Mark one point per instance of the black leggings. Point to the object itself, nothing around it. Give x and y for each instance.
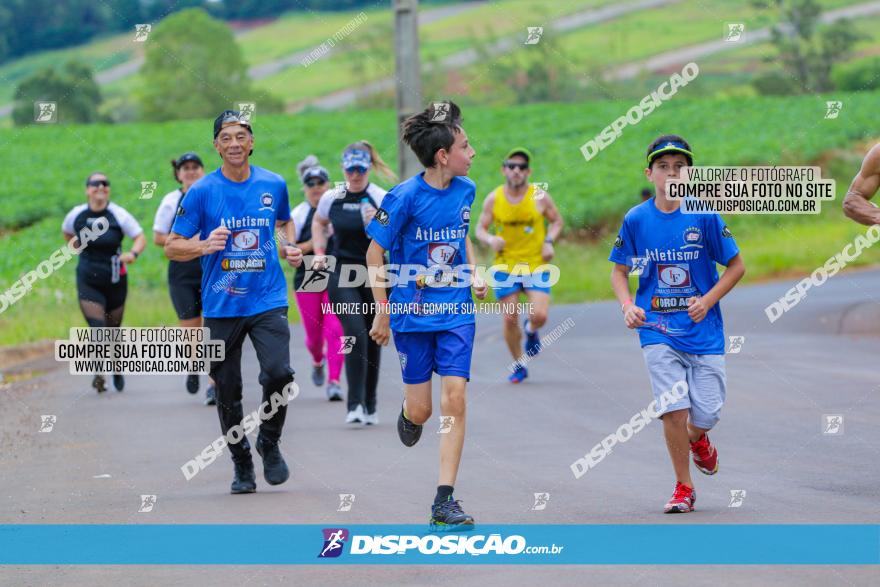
(102, 305)
(362, 364)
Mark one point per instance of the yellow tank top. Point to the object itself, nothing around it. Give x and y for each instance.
(522, 228)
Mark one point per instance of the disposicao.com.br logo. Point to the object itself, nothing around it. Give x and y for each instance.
(334, 540)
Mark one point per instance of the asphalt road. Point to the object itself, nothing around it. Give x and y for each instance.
(817, 359)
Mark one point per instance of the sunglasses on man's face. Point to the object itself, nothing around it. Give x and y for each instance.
(315, 182)
(98, 183)
(520, 166)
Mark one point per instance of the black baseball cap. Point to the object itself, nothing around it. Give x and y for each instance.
(315, 171)
(228, 118)
(186, 157)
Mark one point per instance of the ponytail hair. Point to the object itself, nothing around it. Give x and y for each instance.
(377, 161)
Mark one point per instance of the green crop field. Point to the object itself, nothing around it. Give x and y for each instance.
(48, 166)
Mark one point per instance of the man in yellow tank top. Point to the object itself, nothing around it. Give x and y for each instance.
(523, 247)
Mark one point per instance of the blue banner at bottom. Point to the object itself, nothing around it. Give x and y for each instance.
(637, 544)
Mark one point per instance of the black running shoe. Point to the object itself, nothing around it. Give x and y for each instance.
(447, 516)
(275, 470)
(192, 383)
(244, 481)
(118, 382)
(99, 383)
(409, 433)
(210, 396)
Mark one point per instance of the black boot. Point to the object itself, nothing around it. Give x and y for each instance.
(244, 481)
(275, 470)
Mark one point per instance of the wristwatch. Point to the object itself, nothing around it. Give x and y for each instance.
(548, 240)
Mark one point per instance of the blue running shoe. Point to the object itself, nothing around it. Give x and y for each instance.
(447, 516)
(518, 375)
(533, 341)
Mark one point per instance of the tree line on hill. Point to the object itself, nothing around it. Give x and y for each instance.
(193, 66)
(28, 26)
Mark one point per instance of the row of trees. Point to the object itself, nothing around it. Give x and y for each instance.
(193, 69)
(807, 50)
(27, 26)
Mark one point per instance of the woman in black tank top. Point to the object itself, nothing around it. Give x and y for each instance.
(184, 277)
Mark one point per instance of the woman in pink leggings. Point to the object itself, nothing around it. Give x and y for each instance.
(321, 326)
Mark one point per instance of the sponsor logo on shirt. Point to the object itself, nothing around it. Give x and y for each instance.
(692, 237)
(266, 201)
(516, 223)
(442, 253)
(382, 217)
(245, 240)
(465, 215)
(618, 243)
(726, 232)
(674, 275)
(243, 265)
(664, 304)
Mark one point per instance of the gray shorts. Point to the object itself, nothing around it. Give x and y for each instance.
(705, 377)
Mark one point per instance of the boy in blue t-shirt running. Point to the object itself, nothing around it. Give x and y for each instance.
(423, 223)
(676, 311)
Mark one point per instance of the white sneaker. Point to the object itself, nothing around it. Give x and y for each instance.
(356, 416)
(371, 419)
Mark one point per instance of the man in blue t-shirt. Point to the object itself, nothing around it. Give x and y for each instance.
(229, 218)
(676, 311)
(423, 223)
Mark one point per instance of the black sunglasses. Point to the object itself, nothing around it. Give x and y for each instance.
(314, 182)
(98, 182)
(521, 166)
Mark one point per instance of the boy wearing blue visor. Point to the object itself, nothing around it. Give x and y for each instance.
(676, 311)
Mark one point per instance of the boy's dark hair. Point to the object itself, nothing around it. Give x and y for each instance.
(657, 146)
(431, 130)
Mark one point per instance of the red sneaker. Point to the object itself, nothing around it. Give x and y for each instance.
(705, 455)
(682, 501)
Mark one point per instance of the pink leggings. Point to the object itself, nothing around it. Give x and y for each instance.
(320, 327)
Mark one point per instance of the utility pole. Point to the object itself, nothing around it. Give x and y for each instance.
(409, 81)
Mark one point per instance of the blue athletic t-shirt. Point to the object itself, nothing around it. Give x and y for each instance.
(246, 278)
(675, 254)
(426, 229)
